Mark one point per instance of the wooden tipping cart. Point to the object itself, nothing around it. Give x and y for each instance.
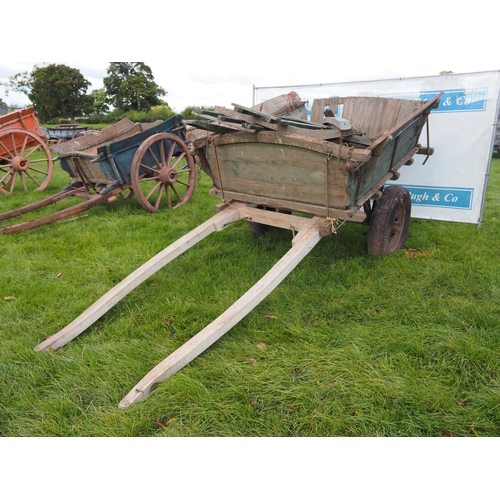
(25, 159)
(267, 166)
(151, 161)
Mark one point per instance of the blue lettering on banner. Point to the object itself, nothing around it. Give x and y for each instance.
(445, 197)
(452, 101)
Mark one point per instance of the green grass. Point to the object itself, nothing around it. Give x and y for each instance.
(347, 345)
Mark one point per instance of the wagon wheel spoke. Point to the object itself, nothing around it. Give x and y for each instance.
(172, 187)
(169, 199)
(149, 169)
(179, 159)
(12, 181)
(23, 146)
(27, 174)
(155, 160)
(155, 187)
(40, 171)
(170, 153)
(164, 161)
(6, 150)
(163, 171)
(28, 160)
(23, 181)
(158, 198)
(13, 145)
(7, 174)
(31, 152)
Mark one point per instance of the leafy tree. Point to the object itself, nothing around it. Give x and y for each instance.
(99, 104)
(131, 86)
(55, 90)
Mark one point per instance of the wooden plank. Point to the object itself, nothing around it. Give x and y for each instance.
(257, 123)
(274, 219)
(280, 120)
(318, 111)
(425, 108)
(252, 112)
(351, 214)
(305, 240)
(285, 126)
(216, 127)
(107, 301)
(242, 123)
(285, 104)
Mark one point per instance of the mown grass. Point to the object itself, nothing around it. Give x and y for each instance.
(347, 345)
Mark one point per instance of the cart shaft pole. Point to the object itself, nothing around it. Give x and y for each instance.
(107, 301)
(304, 241)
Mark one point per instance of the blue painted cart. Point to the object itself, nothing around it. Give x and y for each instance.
(151, 161)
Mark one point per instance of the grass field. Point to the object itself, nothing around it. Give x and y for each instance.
(347, 345)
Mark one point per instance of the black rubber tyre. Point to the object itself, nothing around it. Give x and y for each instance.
(390, 221)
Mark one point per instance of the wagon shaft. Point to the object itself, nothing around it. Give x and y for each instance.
(308, 234)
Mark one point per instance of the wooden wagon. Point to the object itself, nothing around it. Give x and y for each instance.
(150, 161)
(61, 133)
(285, 171)
(25, 159)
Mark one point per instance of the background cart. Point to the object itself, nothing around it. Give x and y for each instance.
(25, 159)
(62, 133)
(151, 161)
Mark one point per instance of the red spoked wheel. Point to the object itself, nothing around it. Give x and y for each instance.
(163, 172)
(25, 160)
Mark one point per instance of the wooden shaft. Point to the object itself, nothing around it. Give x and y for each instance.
(39, 204)
(303, 243)
(107, 301)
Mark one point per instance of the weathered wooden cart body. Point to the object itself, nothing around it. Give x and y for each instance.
(25, 158)
(80, 157)
(267, 166)
(151, 161)
(308, 174)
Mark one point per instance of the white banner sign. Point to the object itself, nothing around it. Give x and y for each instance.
(451, 186)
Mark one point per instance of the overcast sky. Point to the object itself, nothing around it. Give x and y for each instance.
(207, 53)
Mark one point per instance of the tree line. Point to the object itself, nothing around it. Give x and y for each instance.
(59, 91)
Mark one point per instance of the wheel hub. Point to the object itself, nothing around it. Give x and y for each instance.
(20, 163)
(168, 175)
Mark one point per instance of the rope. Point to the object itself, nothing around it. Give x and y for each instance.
(335, 223)
(218, 170)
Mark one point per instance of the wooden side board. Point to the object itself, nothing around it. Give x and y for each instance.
(287, 168)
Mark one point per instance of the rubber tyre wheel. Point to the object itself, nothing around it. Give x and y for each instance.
(390, 221)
